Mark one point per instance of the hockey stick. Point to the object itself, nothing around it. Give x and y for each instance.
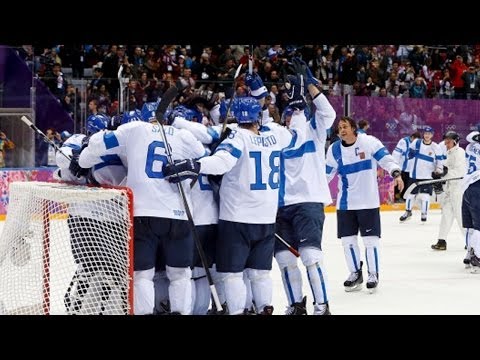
(426, 182)
(121, 107)
(45, 137)
(289, 247)
(235, 80)
(167, 98)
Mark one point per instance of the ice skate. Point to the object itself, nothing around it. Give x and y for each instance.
(372, 282)
(298, 308)
(475, 264)
(355, 280)
(440, 245)
(267, 310)
(406, 216)
(321, 309)
(423, 218)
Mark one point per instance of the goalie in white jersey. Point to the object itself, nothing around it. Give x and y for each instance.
(355, 159)
(160, 220)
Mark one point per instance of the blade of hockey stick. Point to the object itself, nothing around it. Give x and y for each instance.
(40, 132)
(426, 182)
(167, 99)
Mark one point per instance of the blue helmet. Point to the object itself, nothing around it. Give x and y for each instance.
(246, 110)
(97, 122)
(428, 129)
(148, 111)
(134, 115)
(65, 135)
(187, 113)
(115, 122)
(287, 112)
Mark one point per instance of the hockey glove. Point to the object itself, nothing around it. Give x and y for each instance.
(437, 175)
(255, 83)
(301, 68)
(181, 170)
(295, 89)
(75, 168)
(438, 188)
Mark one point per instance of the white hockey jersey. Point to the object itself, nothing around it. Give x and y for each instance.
(424, 159)
(303, 165)
(356, 166)
(142, 146)
(251, 167)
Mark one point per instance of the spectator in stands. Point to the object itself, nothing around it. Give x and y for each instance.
(471, 83)
(57, 82)
(419, 89)
(5, 144)
(45, 155)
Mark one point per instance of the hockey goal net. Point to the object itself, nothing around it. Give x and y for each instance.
(67, 249)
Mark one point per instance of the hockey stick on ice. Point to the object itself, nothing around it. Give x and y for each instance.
(45, 137)
(426, 182)
(167, 98)
(289, 247)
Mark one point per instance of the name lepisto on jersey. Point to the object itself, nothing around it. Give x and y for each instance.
(265, 141)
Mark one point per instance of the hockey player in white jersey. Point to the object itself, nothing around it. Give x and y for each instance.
(452, 198)
(400, 154)
(250, 163)
(425, 157)
(355, 159)
(303, 194)
(159, 216)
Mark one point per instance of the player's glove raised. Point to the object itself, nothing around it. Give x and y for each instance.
(255, 83)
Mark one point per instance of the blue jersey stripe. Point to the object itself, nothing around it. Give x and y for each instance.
(381, 153)
(110, 140)
(231, 149)
(307, 147)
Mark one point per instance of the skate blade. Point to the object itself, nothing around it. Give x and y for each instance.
(357, 287)
(372, 290)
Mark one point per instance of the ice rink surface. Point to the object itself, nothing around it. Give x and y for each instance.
(414, 279)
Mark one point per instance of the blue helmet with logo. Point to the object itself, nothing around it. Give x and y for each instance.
(97, 122)
(134, 115)
(246, 110)
(148, 111)
(428, 129)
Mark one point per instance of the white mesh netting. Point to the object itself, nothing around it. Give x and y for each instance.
(65, 249)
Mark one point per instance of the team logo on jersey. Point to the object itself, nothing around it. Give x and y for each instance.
(361, 154)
